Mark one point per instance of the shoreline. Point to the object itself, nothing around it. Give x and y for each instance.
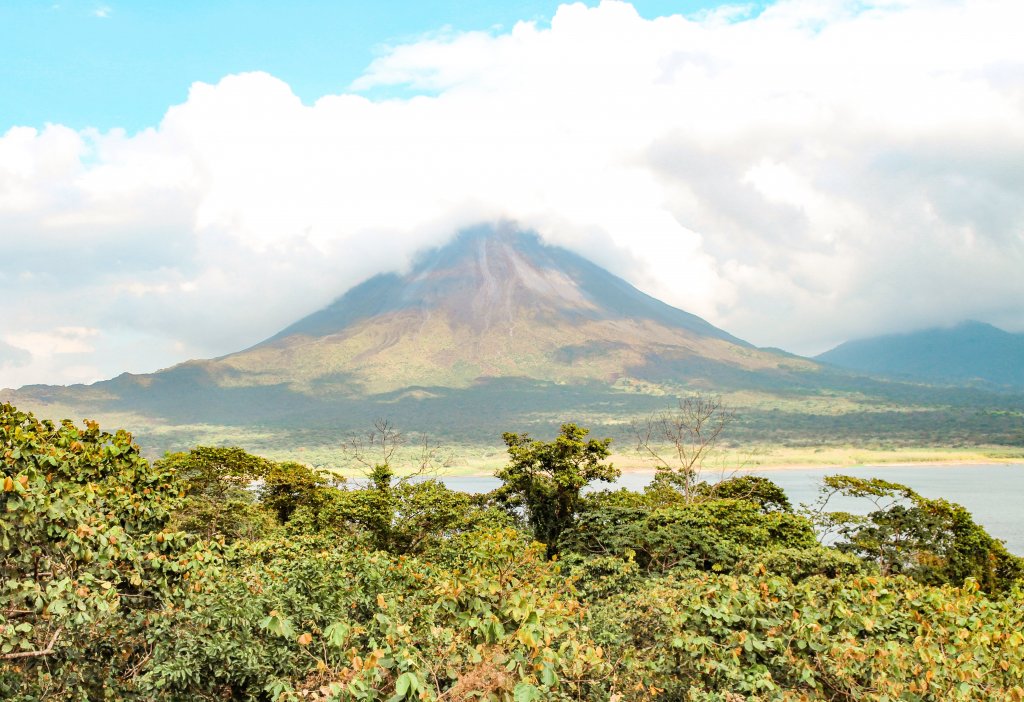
(776, 467)
(635, 469)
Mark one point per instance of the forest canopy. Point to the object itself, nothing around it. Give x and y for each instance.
(213, 574)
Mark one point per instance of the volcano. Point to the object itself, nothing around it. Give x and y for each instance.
(492, 304)
(496, 326)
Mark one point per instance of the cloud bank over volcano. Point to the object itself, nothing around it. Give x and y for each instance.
(812, 173)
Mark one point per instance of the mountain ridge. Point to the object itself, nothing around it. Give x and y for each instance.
(968, 352)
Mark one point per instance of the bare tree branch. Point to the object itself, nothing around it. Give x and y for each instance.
(376, 450)
(692, 431)
(34, 654)
(377, 446)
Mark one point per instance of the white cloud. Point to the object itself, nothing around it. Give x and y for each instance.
(62, 340)
(103, 11)
(820, 171)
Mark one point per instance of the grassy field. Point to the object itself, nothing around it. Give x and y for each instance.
(822, 456)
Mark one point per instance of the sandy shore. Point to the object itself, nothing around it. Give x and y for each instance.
(720, 471)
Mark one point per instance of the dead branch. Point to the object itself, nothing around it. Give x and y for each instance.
(377, 446)
(34, 654)
(691, 431)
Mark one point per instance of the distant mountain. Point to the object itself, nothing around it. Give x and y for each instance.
(493, 304)
(971, 352)
(493, 332)
(494, 324)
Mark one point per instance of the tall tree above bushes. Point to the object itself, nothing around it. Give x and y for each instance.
(545, 478)
(219, 499)
(936, 542)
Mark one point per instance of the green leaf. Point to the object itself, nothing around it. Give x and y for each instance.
(548, 677)
(407, 683)
(337, 634)
(525, 692)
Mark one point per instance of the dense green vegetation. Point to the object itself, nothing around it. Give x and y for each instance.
(212, 574)
(278, 422)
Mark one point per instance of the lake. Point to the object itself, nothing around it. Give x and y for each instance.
(992, 493)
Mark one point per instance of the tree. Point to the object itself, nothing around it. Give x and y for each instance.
(545, 478)
(289, 485)
(691, 431)
(933, 541)
(710, 534)
(393, 503)
(374, 451)
(219, 495)
(751, 488)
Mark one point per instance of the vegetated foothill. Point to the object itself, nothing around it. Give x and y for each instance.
(968, 353)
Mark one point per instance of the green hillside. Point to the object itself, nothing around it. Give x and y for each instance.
(970, 352)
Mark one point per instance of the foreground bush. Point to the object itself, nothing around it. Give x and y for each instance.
(309, 619)
(84, 556)
(850, 638)
(299, 590)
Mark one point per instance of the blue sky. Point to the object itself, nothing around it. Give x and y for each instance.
(122, 63)
(798, 173)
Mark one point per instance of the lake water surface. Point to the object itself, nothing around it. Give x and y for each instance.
(994, 494)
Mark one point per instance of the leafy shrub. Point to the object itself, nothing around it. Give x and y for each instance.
(849, 638)
(799, 563)
(84, 558)
(313, 617)
(709, 535)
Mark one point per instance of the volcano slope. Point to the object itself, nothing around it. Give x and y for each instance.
(497, 331)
